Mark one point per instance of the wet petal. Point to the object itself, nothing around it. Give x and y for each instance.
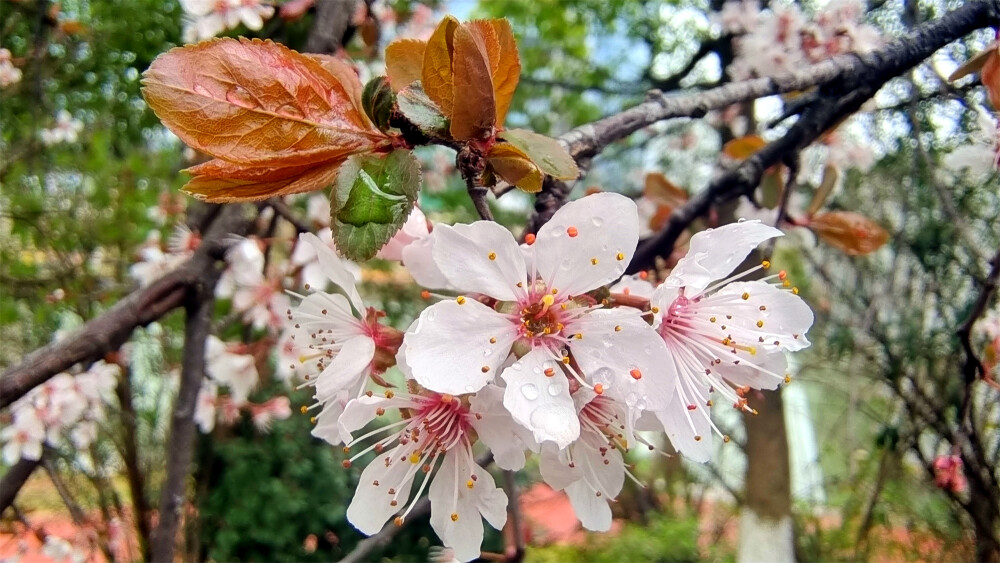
(588, 243)
(481, 258)
(372, 504)
(335, 269)
(449, 350)
(715, 253)
(537, 396)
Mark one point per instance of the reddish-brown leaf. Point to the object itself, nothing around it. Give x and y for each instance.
(515, 167)
(474, 107)
(505, 63)
(436, 74)
(664, 192)
(990, 76)
(345, 73)
(218, 181)
(258, 103)
(743, 147)
(850, 232)
(975, 63)
(830, 175)
(404, 61)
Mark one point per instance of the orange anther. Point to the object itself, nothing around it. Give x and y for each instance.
(599, 389)
(572, 231)
(529, 238)
(635, 373)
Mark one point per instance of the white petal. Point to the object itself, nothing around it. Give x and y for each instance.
(327, 425)
(786, 318)
(358, 413)
(554, 467)
(330, 313)
(413, 229)
(497, 429)
(541, 403)
(351, 364)
(335, 269)
(606, 225)
(419, 261)
(609, 357)
(682, 425)
(370, 507)
(592, 510)
(450, 345)
(634, 285)
(771, 373)
(449, 495)
(462, 253)
(715, 253)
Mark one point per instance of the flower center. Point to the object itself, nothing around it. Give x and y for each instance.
(542, 318)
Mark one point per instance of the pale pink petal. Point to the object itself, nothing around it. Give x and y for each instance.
(455, 507)
(498, 431)
(682, 426)
(786, 317)
(372, 504)
(413, 229)
(715, 253)
(358, 413)
(480, 258)
(335, 269)
(541, 402)
(419, 261)
(623, 353)
(606, 228)
(328, 421)
(634, 285)
(351, 364)
(449, 350)
(555, 469)
(592, 510)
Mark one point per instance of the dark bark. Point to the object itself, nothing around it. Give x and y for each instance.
(15, 478)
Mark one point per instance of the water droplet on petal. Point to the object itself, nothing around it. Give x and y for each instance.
(741, 220)
(632, 399)
(555, 389)
(597, 221)
(603, 376)
(641, 404)
(517, 366)
(529, 391)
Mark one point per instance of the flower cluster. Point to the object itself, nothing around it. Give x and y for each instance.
(66, 407)
(204, 19)
(784, 39)
(9, 74)
(528, 349)
(66, 130)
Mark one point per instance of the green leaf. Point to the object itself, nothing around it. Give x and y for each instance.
(547, 154)
(372, 198)
(378, 99)
(417, 107)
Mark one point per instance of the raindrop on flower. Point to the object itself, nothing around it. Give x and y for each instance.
(529, 391)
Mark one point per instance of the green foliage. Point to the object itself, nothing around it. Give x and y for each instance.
(372, 197)
(664, 539)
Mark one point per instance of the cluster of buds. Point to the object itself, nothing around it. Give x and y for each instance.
(541, 348)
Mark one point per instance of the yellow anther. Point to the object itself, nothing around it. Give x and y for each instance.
(618, 328)
(795, 290)
(788, 378)
(786, 283)
(389, 394)
(492, 255)
(493, 340)
(752, 350)
(346, 450)
(470, 484)
(398, 521)
(745, 296)
(760, 324)
(697, 438)
(554, 291)
(454, 517)
(548, 300)
(711, 319)
(415, 458)
(655, 309)
(620, 256)
(303, 409)
(312, 419)
(726, 341)
(765, 264)
(486, 369)
(460, 299)
(578, 336)
(593, 261)
(565, 360)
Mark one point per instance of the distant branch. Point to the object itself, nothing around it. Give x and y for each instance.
(840, 74)
(973, 367)
(14, 479)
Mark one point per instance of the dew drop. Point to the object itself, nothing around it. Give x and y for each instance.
(516, 366)
(239, 96)
(430, 315)
(552, 419)
(529, 391)
(288, 110)
(469, 389)
(641, 404)
(632, 399)
(555, 389)
(603, 376)
(536, 370)
(597, 221)
(741, 220)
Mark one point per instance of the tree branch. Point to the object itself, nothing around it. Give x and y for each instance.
(834, 102)
(973, 367)
(199, 307)
(109, 331)
(839, 73)
(14, 479)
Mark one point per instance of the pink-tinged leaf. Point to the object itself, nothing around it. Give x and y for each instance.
(258, 103)
(218, 181)
(852, 233)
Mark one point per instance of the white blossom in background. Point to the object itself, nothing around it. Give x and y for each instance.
(154, 262)
(60, 550)
(980, 159)
(9, 74)
(66, 130)
(414, 229)
(205, 19)
(724, 337)
(63, 411)
(229, 364)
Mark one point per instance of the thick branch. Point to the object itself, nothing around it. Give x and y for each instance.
(14, 479)
(179, 449)
(109, 331)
